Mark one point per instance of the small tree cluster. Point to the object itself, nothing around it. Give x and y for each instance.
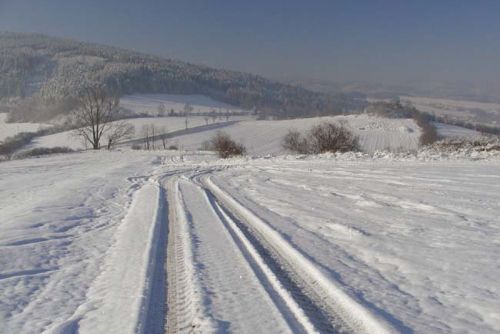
(225, 146)
(429, 133)
(326, 137)
(152, 134)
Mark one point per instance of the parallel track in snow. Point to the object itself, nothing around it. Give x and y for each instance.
(306, 299)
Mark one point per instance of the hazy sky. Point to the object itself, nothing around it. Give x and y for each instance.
(374, 41)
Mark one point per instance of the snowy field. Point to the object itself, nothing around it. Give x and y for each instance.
(266, 137)
(148, 104)
(452, 131)
(11, 129)
(481, 112)
(161, 124)
(286, 244)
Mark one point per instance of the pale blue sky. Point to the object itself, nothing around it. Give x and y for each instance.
(384, 41)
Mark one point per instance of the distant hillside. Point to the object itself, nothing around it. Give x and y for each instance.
(54, 68)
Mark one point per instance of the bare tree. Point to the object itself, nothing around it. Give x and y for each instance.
(145, 133)
(153, 138)
(97, 110)
(120, 130)
(163, 135)
(213, 114)
(187, 111)
(206, 120)
(162, 110)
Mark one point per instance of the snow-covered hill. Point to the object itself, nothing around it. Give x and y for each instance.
(266, 137)
(472, 111)
(149, 103)
(452, 131)
(161, 124)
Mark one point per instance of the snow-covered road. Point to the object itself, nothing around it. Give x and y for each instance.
(248, 245)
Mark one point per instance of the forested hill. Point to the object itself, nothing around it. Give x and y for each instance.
(55, 68)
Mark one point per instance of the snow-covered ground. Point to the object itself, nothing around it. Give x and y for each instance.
(266, 137)
(285, 244)
(148, 104)
(481, 112)
(68, 234)
(11, 129)
(452, 131)
(161, 124)
(416, 243)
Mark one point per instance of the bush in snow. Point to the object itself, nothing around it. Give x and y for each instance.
(480, 144)
(225, 146)
(44, 151)
(295, 142)
(330, 137)
(326, 137)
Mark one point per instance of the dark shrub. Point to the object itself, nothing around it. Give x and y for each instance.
(44, 151)
(225, 146)
(295, 142)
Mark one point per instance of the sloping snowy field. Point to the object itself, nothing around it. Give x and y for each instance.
(266, 137)
(452, 131)
(11, 129)
(480, 112)
(161, 124)
(148, 104)
(254, 245)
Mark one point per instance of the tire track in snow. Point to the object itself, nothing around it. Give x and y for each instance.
(185, 310)
(214, 271)
(347, 315)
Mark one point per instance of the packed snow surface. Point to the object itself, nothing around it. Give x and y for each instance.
(349, 242)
